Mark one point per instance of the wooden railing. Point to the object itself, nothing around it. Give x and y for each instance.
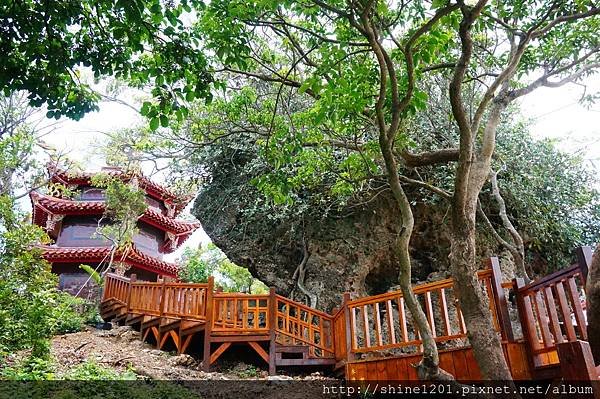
(298, 324)
(116, 287)
(145, 298)
(382, 321)
(185, 301)
(551, 312)
(361, 325)
(235, 313)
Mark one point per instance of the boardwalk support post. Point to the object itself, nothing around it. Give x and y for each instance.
(161, 314)
(577, 363)
(272, 317)
(349, 354)
(208, 326)
(500, 301)
(584, 259)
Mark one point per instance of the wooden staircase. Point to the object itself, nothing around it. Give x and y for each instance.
(352, 341)
(282, 332)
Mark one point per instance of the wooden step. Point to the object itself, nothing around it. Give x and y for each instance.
(120, 318)
(547, 371)
(291, 349)
(150, 322)
(191, 327)
(116, 310)
(134, 318)
(168, 325)
(305, 362)
(107, 303)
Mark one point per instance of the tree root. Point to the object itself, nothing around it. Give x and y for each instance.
(300, 274)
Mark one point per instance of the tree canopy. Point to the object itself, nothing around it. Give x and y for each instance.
(47, 44)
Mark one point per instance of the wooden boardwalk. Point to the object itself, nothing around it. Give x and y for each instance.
(369, 338)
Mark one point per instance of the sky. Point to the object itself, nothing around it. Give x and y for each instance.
(555, 113)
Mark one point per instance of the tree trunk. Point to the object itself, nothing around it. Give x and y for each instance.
(428, 368)
(480, 329)
(593, 305)
(482, 336)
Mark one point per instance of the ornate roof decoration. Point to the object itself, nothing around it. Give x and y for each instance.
(132, 256)
(171, 199)
(48, 210)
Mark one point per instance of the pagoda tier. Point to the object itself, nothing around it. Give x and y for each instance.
(94, 255)
(173, 202)
(49, 211)
(73, 223)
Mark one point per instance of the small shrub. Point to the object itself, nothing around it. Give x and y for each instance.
(31, 368)
(68, 313)
(90, 370)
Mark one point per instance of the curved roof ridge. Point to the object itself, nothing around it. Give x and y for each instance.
(154, 189)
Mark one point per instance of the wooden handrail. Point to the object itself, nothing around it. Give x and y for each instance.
(382, 322)
(304, 307)
(551, 278)
(550, 310)
(117, 277)
(417, 289)
(319, 336)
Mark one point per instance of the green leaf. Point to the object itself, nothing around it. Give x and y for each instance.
(164, 121)
(154, 123)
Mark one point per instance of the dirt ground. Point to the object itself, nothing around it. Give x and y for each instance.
(122, 350)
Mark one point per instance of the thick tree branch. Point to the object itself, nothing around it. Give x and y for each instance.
(564, 18)
(429, 158)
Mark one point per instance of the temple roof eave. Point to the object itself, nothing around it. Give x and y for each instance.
(155, 190)
(133, 257)
(45, 204)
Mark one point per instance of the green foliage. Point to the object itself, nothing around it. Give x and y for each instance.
(71, 314)
(31, 309)
(45, 45)
(246, 372)
(32, 368)
(92, 371)
(27, 286)
(19, 170)
(125, 203)
(93, 274)
(198, 264)
(551, 195)
(193, 268)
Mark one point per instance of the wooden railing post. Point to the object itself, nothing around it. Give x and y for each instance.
(132, 279)
(208, 326)
(584, 259)
(162, 298)
(576, 362)
(348, 328)
(500, 302)
(527, 321)
(272, 316)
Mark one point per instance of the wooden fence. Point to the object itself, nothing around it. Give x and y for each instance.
(551, 313)
(364, 332)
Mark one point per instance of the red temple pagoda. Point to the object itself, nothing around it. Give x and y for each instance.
(72, 223)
